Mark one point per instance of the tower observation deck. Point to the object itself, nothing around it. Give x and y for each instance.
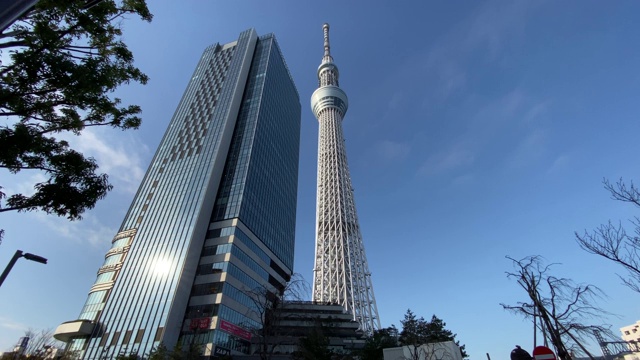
(341, 273)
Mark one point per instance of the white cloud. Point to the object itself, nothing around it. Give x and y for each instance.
(117, 155)
(22, 183)
(88, 230)
(120, 158)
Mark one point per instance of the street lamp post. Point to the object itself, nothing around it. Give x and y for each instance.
(15, 258)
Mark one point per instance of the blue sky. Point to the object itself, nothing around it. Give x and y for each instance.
(475, 130)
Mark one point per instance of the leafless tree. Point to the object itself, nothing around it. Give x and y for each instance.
(612, 241)
(433, 351)
(562, 307)
(41, 343)
(268, 308)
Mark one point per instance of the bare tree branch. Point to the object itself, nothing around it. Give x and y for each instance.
(269, 309)
(613, 242)
(620, 191)
(564, 308)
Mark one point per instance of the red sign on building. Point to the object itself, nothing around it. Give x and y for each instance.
(201, 323)
(205, 323)
(234, 330)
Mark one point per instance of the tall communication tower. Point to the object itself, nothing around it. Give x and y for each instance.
(341, 274)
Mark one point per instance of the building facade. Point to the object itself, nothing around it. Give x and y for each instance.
(631, 334)
(341, 273)
(214, 216)
(299, 319)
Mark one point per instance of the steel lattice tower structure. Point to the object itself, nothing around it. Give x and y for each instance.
(341, 274)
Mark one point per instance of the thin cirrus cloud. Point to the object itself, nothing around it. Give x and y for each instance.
(495, 25)
(530, 149)
(560, 163)
(476, 133)
(392, 151)
(489, 131)
(493, 28)
(515, 109)
(447, 161)
(11, 324)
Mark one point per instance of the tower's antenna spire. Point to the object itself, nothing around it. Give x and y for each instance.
(327, 49)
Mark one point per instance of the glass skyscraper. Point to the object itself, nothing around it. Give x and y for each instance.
(214, 216)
